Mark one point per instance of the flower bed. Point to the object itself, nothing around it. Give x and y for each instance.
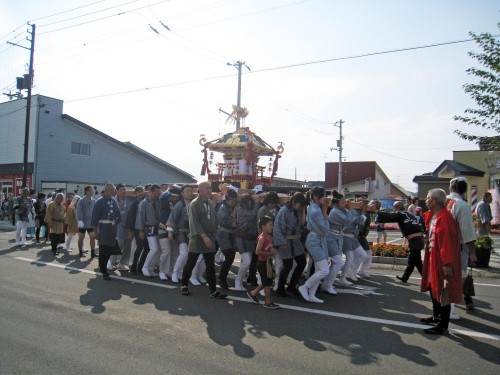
(390, 250)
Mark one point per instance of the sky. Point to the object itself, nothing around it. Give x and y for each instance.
(313, 62)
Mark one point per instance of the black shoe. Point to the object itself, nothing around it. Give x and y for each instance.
(469, 306)
(185, 291)
(224, 285)
(253, 298)
(401, 278)
(430, 320)
(293, 291)
(218, 295)
(281, 293)
(82, 255)
(93, 254)
(55, 253)
(436, 331)
(106, 277)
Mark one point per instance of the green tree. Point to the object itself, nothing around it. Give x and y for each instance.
(485, 92)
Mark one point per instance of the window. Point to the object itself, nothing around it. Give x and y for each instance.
(78, 148)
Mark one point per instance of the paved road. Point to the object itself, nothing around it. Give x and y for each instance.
(58, 317)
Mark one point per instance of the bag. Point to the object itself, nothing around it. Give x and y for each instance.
(242, 234)
(468, 285)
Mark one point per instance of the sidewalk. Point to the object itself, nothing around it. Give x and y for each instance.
(7, 232)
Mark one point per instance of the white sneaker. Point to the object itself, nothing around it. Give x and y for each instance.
(163, 276)
(304, 292)
(109, 266)
(364, 275)
(175, 278)
(122, 267)
(329, 290)
(353, 277)
(239, 286)
(344, 282)
(454, 316)
(145, 272)
(194, 281)
(314, 299)
(202, 280)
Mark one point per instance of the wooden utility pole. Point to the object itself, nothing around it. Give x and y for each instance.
(28, 108)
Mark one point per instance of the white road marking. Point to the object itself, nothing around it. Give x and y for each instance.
(283, 306)
(419, 278)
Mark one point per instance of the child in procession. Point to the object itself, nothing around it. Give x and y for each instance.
(264, 251)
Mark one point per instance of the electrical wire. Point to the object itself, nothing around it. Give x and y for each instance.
(389, 155)
(66, 11)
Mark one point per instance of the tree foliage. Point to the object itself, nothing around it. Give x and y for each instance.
(485, 92)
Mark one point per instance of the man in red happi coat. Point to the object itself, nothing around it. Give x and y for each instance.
(442, 262)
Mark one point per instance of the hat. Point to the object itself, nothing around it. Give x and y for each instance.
(174, 190)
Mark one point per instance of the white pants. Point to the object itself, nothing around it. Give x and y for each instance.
(199, 268)
(366, 263)
(278, 266)
(321, 271)
(335, 266)
(154, 253)
(181, 259)
(244, 266)
(68, 240)
(21, 230)
(166, 251)
(349, 260)
(360, 258)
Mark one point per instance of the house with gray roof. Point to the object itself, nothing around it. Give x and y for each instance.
(66, 154)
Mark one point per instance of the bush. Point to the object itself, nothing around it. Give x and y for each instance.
(390, 250)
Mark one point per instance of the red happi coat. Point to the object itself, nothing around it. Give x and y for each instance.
(444, 250)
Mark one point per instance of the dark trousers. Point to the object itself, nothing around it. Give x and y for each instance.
(414, 260)
(287, 266)
(210, 272)
(252, 270)
(105, 253)
(443, 312)
(140, 253)
(226, 266)
(37, 231)
(55, 239)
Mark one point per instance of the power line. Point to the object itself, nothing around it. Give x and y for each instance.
(283, 67)
(66, 11)
(392, 156)
(366, 55)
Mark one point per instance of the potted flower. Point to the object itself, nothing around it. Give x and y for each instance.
(483, 245)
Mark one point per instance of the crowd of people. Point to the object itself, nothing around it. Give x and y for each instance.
(168, 231)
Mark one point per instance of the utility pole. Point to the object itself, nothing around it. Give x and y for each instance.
(238, 65)
(339, 148)
(28, 108)
(25, 84)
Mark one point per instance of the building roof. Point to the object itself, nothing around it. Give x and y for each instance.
(131, 147)
(457, 168)
(352, 171)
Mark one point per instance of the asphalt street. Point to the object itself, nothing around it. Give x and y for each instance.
(57, 316)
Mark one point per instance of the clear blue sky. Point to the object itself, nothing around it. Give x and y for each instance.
(168, 87)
